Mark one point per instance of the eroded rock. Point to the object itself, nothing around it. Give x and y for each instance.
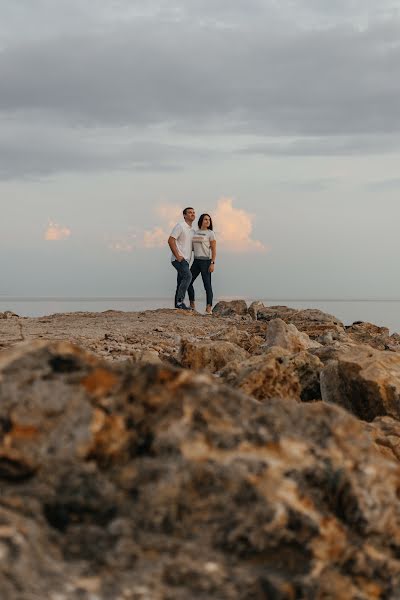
(229, 308)
(209, 355)
(364, 381)
(169, 485)
(287, 336)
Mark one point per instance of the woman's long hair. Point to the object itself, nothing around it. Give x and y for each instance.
(201, 219)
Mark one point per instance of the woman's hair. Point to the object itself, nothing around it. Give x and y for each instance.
(201, 219)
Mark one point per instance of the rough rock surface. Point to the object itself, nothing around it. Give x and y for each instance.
(149, 482)
(364, 381)
(288, 337)
(211, 356)
(228, 308)
(377, 337)
(310, 320)
(277, 373)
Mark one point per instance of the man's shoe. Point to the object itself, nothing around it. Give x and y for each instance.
(182, 306)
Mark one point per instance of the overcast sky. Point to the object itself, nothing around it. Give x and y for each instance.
(279, 117)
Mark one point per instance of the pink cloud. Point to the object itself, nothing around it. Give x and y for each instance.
(234, 228)
(55, 232)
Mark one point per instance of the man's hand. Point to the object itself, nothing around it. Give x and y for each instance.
(211, 269)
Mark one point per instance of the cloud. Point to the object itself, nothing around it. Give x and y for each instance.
(55, 232)
(234, 227)
(155, 238)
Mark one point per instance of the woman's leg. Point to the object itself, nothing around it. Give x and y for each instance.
(206, 277)
(195, 271)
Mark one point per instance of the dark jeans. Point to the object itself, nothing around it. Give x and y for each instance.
(201, 266)
(183, 280)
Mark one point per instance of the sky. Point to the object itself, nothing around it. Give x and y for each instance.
(280, 118)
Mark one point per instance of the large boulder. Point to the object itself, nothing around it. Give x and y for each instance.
(364, 381)
(209, 355)
(362, 332)
(145, 481)
(312, 321)
(276, 373)
(230, 308)
(288, 337)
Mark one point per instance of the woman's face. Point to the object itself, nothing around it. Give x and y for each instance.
(206, 222)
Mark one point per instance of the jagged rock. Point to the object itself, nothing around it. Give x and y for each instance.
(364, 381)
(149, 356)
(276, 374)
(377, 337)
(8, 314)
(288, 337)
(254, 308)
(154, 482)
(233, 307)
(209, 355)
(312, 321)
(250, 343)
(385, 432)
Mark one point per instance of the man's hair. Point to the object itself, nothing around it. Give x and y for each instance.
(187, 208)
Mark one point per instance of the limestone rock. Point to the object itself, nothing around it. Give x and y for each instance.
(276, 374)
(385, 432)
(229, 308)
(209, 355)
(254, 308)
(377, 337)
(288, 337)
(364, 381)
(312, 321)
(147, 481)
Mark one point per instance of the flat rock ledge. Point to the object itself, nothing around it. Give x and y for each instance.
(167, 456)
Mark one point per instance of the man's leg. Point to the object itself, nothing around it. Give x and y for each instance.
(185, 279)
(178, 283)
(195, 271)
(206, 277)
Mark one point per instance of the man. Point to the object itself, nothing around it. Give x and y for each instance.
(180, 242)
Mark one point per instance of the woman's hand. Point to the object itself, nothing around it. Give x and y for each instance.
(211, 269)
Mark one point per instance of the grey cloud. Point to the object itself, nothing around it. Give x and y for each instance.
(384, 185)
(328, 146)
(310, 83)
(37, 152)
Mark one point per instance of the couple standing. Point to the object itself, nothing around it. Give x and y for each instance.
(183, 241)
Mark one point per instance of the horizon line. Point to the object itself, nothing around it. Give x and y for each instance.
(5, 298)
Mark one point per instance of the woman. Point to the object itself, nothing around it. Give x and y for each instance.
(205, 252)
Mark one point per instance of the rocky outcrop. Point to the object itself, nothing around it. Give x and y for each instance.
(276, 373)
(377, 337)
(288, 337)
(209, 355)
(364, 381)
(230, 308)
(312, 321)
(145, 481)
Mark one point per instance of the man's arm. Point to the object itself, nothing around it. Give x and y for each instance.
(174, 248)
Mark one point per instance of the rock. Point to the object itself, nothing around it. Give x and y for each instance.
(276, 374)
(367, 333)
(149, 356)
(364, 381)
(288, 337)
(8, 314)
(254, 308)
(228, 309)
(312, 321)
(385, 432)
(147, 481)
(209, 355)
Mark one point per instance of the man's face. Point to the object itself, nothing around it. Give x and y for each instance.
(190, 215)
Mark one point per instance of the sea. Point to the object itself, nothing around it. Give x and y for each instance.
(381, 312)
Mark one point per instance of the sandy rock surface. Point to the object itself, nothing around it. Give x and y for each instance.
(167, 455)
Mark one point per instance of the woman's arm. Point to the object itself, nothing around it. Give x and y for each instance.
(213, 245)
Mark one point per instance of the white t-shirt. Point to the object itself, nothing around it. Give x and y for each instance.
(201, 243)
(183, 234)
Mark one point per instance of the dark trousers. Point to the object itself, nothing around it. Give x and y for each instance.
(201, 266)
(183, 280)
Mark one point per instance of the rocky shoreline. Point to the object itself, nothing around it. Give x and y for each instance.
(166, 455)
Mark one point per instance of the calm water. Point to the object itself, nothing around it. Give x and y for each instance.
(380, 312)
